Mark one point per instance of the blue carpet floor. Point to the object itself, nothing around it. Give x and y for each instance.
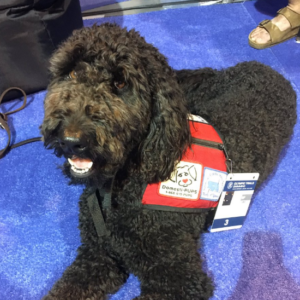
(38, 210)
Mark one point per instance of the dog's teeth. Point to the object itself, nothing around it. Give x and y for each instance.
(89, 165)
(80, 171)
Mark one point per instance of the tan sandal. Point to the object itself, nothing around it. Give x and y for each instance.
(277, 36)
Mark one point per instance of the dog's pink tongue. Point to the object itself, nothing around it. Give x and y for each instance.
(81, 163)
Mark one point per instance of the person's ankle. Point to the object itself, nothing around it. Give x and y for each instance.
(295, 8)
(281, 22)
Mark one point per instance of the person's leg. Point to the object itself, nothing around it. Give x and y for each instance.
(261, 36)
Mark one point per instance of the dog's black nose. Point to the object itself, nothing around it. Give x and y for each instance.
(73, 145)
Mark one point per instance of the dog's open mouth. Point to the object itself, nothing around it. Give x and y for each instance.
(80, 167)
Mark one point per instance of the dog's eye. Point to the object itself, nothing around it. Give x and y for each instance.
(72, 75)
(119, 84)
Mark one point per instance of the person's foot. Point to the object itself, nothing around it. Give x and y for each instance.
(262, 36)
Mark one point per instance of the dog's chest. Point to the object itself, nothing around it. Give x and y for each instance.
(118, 202)
(128, 224)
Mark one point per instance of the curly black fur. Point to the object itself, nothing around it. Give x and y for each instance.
(131, 110)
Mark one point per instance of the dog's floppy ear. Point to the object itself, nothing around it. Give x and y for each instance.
(168, 135)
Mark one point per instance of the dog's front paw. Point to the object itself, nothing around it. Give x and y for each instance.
(169, 297)
(150, 297)
(74, 292)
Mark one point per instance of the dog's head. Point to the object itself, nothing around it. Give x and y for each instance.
(113, 97)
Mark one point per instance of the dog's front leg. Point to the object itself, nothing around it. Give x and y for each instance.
(174, 270)
(91, 276)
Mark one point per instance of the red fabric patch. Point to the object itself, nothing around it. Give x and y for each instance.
(204, 132)
(196, 158)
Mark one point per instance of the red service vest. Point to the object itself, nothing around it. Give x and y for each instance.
(198, 179)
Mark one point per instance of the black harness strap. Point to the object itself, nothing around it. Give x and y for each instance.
(107, 194)
(97, 214)
(107, 200)
(96, 208)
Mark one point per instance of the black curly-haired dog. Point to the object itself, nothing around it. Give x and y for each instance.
(116, 109)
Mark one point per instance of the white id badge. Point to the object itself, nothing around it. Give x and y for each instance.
(234, 201)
